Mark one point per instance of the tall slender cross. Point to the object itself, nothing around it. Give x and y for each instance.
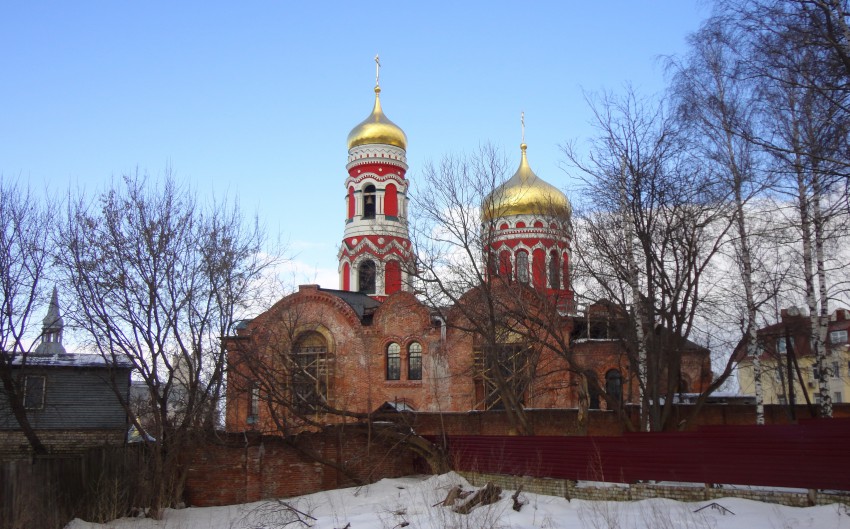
(377, 70)
(522, 121)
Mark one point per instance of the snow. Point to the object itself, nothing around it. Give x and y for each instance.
(389, 503)
(70, 360)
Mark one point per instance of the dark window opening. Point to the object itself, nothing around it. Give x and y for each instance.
(614, 385)
(554, 271)
(366, 277)
(414, 361)
(369, 202)
(34, 392)
(393, 362)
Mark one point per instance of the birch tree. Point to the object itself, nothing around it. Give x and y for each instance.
(716, 104)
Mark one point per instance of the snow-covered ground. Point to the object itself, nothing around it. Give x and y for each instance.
(413, 502)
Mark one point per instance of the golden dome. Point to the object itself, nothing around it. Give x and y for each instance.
(525, 194)
(377, 129)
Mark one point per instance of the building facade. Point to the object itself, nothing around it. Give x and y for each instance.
(70, 398)
(785, 354)
(328, 355)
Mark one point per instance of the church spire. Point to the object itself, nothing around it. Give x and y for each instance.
(51, 329)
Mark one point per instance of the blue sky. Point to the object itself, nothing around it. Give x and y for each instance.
(255, 99)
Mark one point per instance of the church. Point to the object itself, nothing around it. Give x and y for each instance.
(320, 356)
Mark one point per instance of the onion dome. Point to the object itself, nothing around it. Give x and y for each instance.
(377, 129)
(525, 194)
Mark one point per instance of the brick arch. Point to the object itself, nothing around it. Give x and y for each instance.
(309, 296)
(303, 330)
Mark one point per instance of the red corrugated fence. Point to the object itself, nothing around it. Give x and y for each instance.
(814, 454)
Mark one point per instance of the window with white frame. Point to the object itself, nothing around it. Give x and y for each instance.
(838, 337)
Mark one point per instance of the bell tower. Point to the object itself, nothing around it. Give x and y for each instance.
(375, 256)
(529, 230)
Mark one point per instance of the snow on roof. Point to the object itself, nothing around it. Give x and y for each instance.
(71, 360)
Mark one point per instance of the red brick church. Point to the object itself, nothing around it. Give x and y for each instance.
(326, 355)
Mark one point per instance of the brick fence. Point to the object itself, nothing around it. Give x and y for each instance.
(244, 468)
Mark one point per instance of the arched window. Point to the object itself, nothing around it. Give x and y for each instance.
(522, 266)
(554, 270)
(311, 372)
(366, 277)
(391, 201)
(369, 200)
(414, 361)
(393, 361)
(350, 202)
(614, 385)
(392, 280)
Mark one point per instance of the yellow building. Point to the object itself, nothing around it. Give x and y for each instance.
(785, 353)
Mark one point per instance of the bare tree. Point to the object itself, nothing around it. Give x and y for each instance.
(157, 277)
(806, 133)
(452, 271)
(797, 51)
(656, 219)
(716, 103)
(25, 224)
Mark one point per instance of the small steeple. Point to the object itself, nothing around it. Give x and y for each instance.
(51, 329)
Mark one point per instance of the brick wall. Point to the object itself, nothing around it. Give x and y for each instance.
(245, 469)
(545, 422)
(357, 354)
(14, 443)
(249, 467)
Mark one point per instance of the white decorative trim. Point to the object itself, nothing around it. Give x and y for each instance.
(378, 252)
(377, 153)
(376, 179)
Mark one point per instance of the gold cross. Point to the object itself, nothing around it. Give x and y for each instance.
(522, 121)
